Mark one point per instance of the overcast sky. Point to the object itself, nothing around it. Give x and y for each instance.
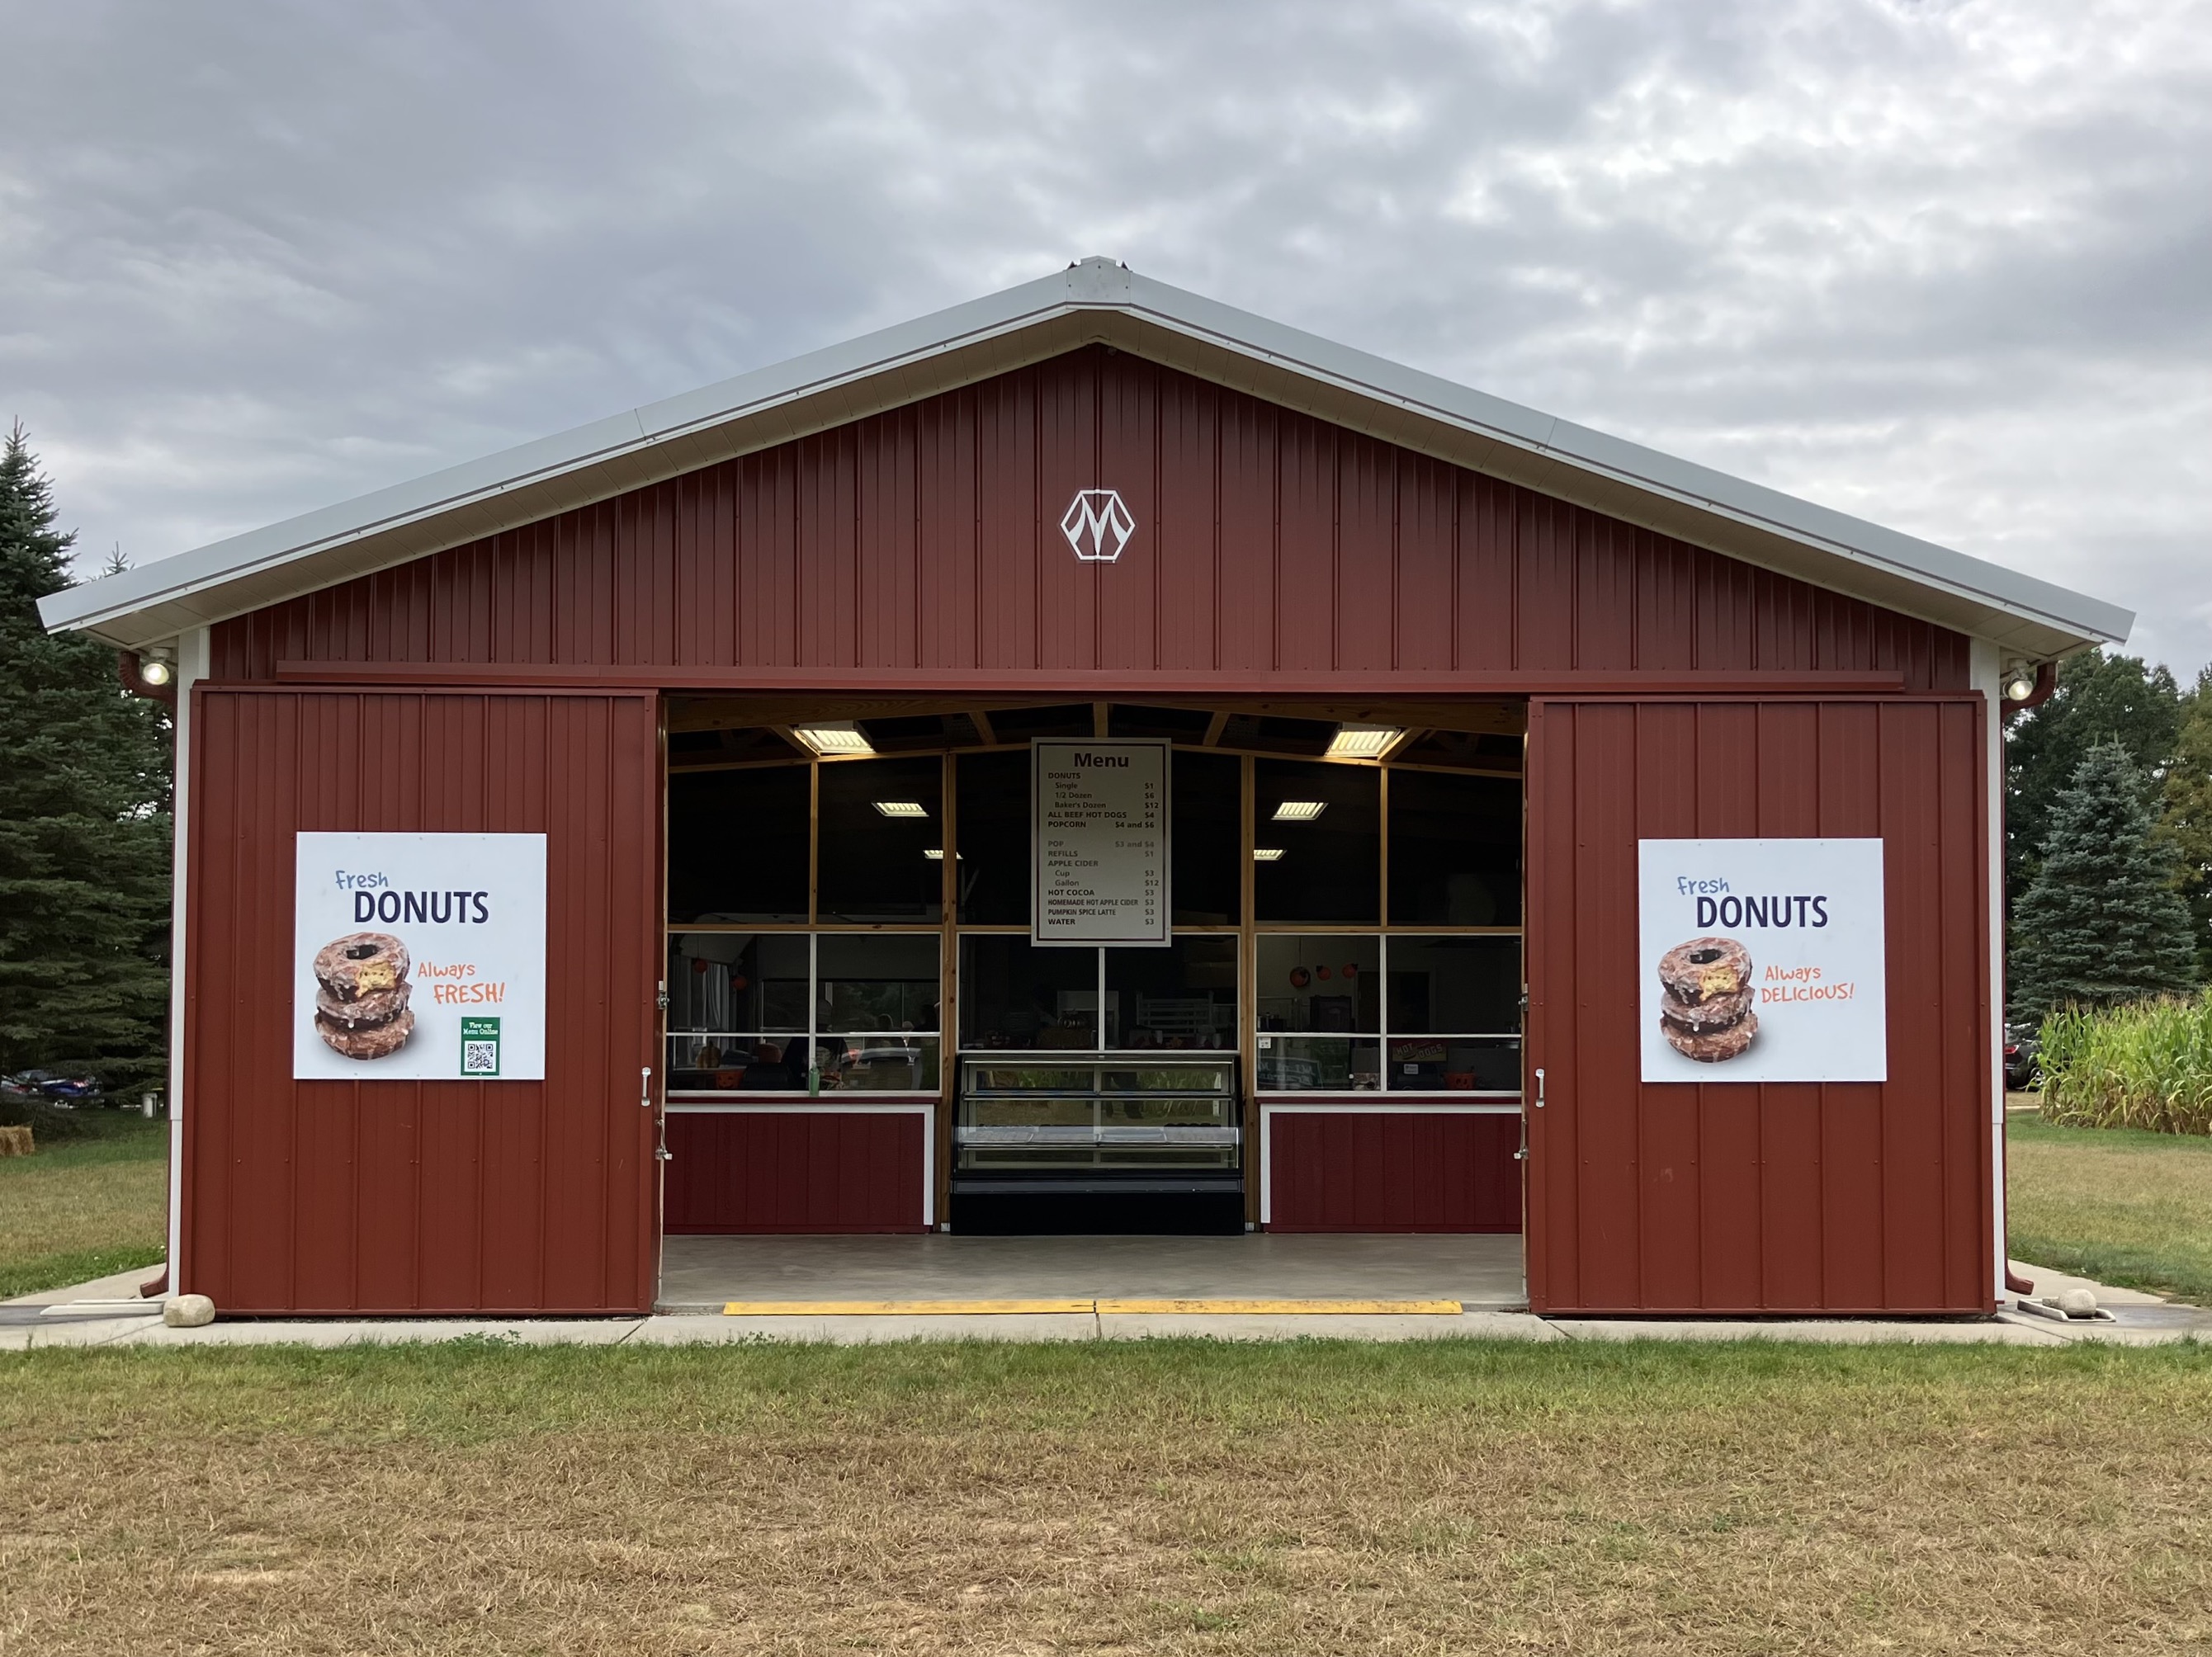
(1945, 265)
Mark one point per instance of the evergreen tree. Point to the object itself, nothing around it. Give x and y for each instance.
(2185, 824)
(2098, 698)
(84, 824)
(2102, 923)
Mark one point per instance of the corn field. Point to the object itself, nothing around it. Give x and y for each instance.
(2147, 1065)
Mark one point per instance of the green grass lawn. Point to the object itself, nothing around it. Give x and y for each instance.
(83, 1208)
(2116, 1204)
(1132, 1497)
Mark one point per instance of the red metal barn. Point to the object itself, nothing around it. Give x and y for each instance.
(772, 673)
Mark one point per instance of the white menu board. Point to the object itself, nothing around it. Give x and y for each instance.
(1098, 863)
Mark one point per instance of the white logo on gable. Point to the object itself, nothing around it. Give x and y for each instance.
(1097, 526)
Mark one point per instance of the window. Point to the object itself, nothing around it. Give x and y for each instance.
(1206, 838)
(995, 838)
(880, 819)
(1183, 998)
(795, 1012)
(1406, 1013)
(1452, 1014)
(1017, 996)
(1454, 850)
(1319, 1005)
(1325, 820)
(737, 844)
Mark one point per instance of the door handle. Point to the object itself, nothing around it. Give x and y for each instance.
(1540, 1087)
(645, 1088)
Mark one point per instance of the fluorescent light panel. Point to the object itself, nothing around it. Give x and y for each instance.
(1300, 811)
(901, 808)
(936, 854)
(1267, 853)
(843, 737)
(1361, 742)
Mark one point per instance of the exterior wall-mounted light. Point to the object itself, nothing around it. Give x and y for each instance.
(157, 665)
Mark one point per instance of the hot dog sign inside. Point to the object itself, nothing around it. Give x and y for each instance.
(419, 957)
(1761, 961)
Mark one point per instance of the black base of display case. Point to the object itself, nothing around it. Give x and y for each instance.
(1173, 1208)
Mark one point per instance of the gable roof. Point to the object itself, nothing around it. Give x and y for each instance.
(1094, 301)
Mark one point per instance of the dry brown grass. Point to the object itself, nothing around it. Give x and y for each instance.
(1164, 1498)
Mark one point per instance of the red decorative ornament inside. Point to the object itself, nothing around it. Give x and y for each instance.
(1352, 969)
(1300, 978)
(1321, 972)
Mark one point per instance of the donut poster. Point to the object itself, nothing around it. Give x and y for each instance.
(419, 957)
(1761, 961)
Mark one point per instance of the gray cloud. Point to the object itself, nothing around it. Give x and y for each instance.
(1949, 266)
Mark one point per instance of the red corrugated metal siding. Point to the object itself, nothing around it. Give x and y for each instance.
(928, 539)
(422, 1197)
(794, 1171)
(1355, 1170)
(1745, 1198)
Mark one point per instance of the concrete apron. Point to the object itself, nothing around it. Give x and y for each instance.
(849, 1290)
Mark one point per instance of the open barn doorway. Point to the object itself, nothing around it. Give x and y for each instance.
(866, 1031)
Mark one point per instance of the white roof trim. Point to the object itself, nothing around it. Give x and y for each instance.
(1094, 299)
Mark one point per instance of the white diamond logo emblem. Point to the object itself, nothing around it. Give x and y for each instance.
(1097, 526)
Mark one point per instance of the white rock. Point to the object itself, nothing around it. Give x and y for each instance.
(2077, 1302)
(188, 1311)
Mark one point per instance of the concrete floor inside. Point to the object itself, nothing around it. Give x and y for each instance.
(701, 1274)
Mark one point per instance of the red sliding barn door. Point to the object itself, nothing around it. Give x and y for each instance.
(400, 1196)
(1748, 1197)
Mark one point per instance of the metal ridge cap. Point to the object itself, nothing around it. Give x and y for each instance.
(1859, 540)
(811, 373)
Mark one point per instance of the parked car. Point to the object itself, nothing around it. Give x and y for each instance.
(2021, 1044)
(56, 1089)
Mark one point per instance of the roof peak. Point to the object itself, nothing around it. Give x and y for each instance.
(1093, 300)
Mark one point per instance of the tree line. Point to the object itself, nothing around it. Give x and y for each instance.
(2108, 838)
(85, 803)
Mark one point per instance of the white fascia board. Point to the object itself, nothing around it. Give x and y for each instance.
(903, 359)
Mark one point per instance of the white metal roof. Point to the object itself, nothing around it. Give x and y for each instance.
(1093, 300)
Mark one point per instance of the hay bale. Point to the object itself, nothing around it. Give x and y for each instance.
(17, 1142)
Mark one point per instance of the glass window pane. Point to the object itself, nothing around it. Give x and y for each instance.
(1014, 995)
(1454, 1064)
(1183, 996)
(731, 983)
(1455, 986)
(1454, 850)
(993, 831)
(1206, 838)
(737, 845)
(879, 819)
(1324, 982)
(1331, 866)
(868, 982)
(1326, 1064)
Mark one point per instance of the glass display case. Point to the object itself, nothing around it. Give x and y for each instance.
(1090, 1113)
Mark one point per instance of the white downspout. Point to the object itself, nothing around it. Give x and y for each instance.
(192, 666)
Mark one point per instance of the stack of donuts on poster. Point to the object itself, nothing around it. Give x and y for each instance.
(1762, 960)
(419, 957)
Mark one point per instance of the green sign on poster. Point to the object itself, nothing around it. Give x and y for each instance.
(479, 1046)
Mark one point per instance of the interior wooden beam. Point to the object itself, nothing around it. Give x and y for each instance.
(1102, 715)
(1214, 727)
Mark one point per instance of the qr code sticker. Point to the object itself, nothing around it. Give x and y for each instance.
(479, 1057)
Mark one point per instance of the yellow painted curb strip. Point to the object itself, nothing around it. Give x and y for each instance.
(1288, 1308)
(1138, 1308)
(898, 1308)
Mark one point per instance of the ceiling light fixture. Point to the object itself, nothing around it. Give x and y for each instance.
(1300, 811)
(1361, 742)
(936, 854)
(901, 808)
(841, 737)
(1266, 854)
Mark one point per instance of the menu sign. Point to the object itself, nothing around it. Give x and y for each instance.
(1099, 867)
